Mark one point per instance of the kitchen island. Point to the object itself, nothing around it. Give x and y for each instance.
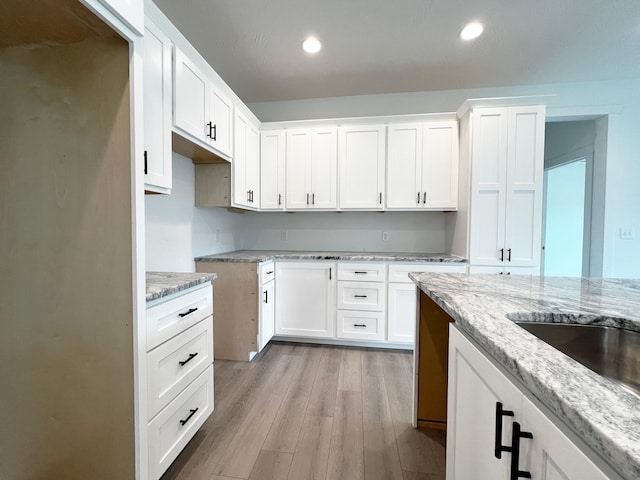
(599, 411)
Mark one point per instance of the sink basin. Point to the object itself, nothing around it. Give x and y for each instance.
(611, 352)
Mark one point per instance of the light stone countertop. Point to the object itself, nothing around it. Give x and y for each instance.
(161, 284)
(257, 256)
(598, 410)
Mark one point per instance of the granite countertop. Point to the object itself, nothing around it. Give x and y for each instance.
(161, 284)
(600, 411)
(257, 256)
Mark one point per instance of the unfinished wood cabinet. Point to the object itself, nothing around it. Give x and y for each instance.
(236, 310)
(213, 184)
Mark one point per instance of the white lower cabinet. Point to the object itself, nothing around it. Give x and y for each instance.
(305, 299)
(360, 325)
(179, 372)
(495, 432)
(401, 314)
(499, 270)
(267, 321)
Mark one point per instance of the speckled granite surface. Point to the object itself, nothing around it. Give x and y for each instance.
(600, 411)
(256, 256)
(161, 284)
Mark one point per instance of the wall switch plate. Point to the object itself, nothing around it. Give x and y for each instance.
(284, 235)
(385, 236)
(627, 233)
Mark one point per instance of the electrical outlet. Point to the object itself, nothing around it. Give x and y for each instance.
(284, 235)
(385, 236)
(627, 233)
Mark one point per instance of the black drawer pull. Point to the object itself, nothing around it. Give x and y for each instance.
(361, 325)
(500, 412)
(188, 312)
(517, 434)
(192, 412)
(508, 255)
(266, 296)
(270, 272)
(360, 296)
(360, 273)
(191, 357)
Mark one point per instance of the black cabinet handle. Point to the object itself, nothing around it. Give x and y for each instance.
(500, 412)
(502, 254)
(418, 198)
(269, 272)
(191, 357)
(210, 125)
(517, 434)
(509, 255)
(360, 296)
(192, 412)
(380, 198)
(266, 296)
(188, 312)
(361, 325)
(215, 135)
(145, 163)
(307, 199)
(360, 273)
(279, 199)
(424, 197)
(313, 199)
(329, 273)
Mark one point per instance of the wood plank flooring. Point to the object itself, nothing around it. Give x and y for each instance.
(307, 412)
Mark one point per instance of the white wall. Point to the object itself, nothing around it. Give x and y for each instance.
(619, 100)
(177, 231)
(352, 231)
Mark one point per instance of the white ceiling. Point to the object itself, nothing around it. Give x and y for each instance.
(388, 46)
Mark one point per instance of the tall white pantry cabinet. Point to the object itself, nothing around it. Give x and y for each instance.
(503, 149)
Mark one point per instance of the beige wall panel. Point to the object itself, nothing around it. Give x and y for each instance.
(66, 329)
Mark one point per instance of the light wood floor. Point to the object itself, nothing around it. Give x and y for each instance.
(313, 412)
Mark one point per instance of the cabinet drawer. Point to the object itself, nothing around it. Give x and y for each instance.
(361, 325)
(361, 296)
(399, 272)
(362, 272)
(176, 363)
(267, 272)
(167, 319)
(174, 426)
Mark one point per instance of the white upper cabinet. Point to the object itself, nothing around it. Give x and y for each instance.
(246, 164)
(362, 167)
(272, 170)
(201, 113)
(311, 166)
(404, 159)
(507, 155)
(157, 110)
(440, 165)
(422, 166)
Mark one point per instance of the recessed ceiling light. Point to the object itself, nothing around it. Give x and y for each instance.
(471, 31)
(311, 45)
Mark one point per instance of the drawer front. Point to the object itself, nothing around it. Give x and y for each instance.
(399, 272)
(362, 272)
(174, 426)
(176, 363)
(356, 325)
(167, 319)
(267, 272)
(361, 296)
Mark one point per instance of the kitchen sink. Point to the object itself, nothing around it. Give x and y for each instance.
(611, 352)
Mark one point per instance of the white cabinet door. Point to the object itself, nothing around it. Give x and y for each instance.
(404, 163)
(401, 317)
(267, 314)
(550, 454)
(305, 299)
(253, 164)
(440, 165)
(476, 389)
(241, 194)
(298, 168)
(190, 89)
(272, 169)
(220, 117)
(362, 161)
(324, 167)
(525, 169)
(157, 109)
(488, 185)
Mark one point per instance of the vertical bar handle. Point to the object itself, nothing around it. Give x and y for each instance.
(502, 254)
(509, 255)
(517, 434)
(500, 412)
(145, 163)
